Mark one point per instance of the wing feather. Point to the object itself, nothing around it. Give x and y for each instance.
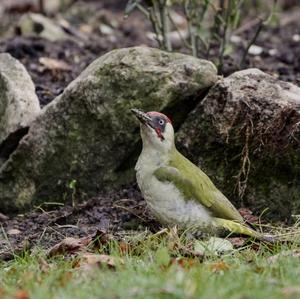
(196, 185)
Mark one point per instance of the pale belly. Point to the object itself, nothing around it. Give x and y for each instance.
(168, 205)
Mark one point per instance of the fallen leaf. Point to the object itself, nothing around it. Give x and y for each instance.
(237, 241)
(70, 246)
(212, 246)
(101, 238)
(54, 64)
(220, 266)
(13, 231)
(184, 262)
(89, 259)
(22, 294)
(248, 215)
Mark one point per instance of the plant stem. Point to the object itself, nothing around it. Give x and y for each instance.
(191, 29)
(251, 42)
(224, 33)
(165, 28)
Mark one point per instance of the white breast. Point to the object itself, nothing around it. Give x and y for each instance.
(165, 200)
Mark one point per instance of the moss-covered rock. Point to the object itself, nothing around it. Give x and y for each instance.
(245, 136)
(19, 105)
(87, 140)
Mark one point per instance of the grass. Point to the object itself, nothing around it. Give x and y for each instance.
(155, 268)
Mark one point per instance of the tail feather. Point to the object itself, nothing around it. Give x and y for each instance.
(243, 229)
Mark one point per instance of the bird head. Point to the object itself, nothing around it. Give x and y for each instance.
(156, 129)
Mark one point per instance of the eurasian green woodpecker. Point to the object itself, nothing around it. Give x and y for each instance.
(177, 191)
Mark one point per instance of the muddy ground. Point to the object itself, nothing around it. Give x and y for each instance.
(123, 209)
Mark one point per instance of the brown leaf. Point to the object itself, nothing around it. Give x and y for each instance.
(185, 262)
(90, 259)
(248, 215)
(101, 238)
(54, 64)
(237, 241)
(124, 248)
(220, 266)
(69, 246)
(22, 294)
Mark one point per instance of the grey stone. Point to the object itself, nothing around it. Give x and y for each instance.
(19, 105)
(245, 136)
(87, 140)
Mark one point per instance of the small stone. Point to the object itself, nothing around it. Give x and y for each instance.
(255, 50)
(296, 38)
(273, 52)
(13, 231)
(19, 104)
(106, 30)
(235, 39)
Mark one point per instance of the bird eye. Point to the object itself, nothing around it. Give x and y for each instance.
(161, 122)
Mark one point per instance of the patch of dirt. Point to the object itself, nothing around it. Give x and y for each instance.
(122, 210)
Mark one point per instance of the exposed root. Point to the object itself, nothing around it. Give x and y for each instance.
(262, 130)
(242, 176)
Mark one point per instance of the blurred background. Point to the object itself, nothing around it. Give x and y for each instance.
(57, 39)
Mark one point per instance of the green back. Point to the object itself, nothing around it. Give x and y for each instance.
(195, 184)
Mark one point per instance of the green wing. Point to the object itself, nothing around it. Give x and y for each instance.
(195, 184)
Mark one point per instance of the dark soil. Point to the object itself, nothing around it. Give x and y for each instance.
(118, 211)
(124, 209)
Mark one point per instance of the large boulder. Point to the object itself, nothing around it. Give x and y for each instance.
(87, 140)
(245, 135)
(19, 105)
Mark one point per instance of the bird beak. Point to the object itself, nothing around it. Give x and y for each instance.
(142, 117)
